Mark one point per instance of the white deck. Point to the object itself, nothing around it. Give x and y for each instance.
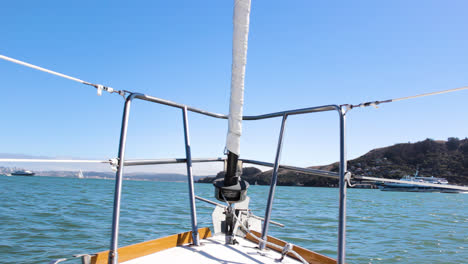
(214, 250)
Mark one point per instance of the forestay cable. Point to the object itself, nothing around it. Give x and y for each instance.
(240, 37)
(99, 87)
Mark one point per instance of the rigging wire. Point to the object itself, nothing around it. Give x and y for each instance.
(376, 103)
(55, 161)
(99, 87)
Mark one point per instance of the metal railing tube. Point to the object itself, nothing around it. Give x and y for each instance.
(307, 110)
(342, 198)
(181, 106)
(113, 254)
(144, 162)
(314, 109)
(188, 154)
(274, 179)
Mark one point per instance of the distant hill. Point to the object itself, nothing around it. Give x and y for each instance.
(447, 159)
(285, 178)
(167, 177)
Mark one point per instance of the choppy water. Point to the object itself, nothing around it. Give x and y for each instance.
(43, 218)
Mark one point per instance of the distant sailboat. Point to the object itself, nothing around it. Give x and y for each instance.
(80, 174)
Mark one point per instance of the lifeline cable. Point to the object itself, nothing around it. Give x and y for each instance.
(55, 161)
(375, 103)
(99, 87)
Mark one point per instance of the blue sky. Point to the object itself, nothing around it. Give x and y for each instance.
(301, 54)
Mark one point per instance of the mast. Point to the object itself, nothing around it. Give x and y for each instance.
(240, 35)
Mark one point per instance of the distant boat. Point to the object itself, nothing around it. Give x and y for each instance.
(80, 174)
(22, 173)
(409, 186)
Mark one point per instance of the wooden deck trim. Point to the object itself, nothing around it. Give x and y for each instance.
(308, 255)
(149, 247)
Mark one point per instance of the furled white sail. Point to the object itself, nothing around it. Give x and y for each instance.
(239, 60)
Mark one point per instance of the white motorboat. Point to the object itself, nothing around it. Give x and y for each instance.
(416, 183)
(22, 173)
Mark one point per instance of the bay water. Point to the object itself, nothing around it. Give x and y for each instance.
(46, 218)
